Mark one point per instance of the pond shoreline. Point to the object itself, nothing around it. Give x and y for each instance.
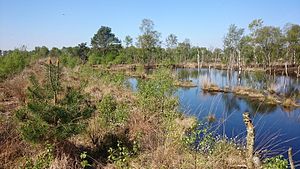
(274, 69)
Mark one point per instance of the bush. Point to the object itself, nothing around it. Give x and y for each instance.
(69, 61)
(43, 160)
(277, 162)
(155, 94)
(13, 63)
(111, 113)
(52, 113)
(94, 58)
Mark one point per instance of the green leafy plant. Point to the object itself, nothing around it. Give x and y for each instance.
(120, 155)
(84, 162)
(112, 114)
(43, 160)
(154, 94)
(277, 162)
(199, 138)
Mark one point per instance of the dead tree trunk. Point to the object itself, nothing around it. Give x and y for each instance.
(250, 140)
(291, 158)
(239, 67)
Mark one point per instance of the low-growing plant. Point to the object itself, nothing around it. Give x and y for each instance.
(199, 138)
(43, 160)
(84, 162)
(111, 114)
(120, 155)
(277, 162)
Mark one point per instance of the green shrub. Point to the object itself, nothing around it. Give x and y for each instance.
(121, 154)
(52, 113)
(94, 58)
(69, 61)
(43, 160)
(13, 63)
(154, 94)
(277, 162)
(112, 114)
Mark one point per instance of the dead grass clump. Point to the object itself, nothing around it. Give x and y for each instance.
(207, 86)
(248, 92)
(273, 88)
(289, 103)
(270, 99)
(65, 161)
(147, 131)
(17, 88)
(227, 155)
(186, 84)
(12, 148)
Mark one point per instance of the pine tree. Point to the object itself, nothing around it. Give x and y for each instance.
(52, 113)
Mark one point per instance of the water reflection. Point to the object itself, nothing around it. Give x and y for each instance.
(270, 120)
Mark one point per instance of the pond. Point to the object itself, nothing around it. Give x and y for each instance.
(276, 128)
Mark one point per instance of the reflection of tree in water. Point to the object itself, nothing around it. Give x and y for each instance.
(291, 90)
(257, 80)
(183, 74)
(194, 74)
(258, 107)
(231, 102)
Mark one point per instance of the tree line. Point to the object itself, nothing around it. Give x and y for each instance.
(263, 46)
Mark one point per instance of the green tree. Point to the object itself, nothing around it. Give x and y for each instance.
(171, 41)
(254, 26)
(231, 43)
(292, 38)
(83, 52)
(148, 40)
(269, 39)
(52, 113)
(104, 38)
(183, 49)
(128, 41)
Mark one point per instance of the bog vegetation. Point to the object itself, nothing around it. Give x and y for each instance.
(70, 112)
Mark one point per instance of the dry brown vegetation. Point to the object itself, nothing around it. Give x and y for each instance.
(160, 145)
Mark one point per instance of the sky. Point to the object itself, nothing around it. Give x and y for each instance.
(58, 23)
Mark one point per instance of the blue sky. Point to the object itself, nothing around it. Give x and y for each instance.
(68, 23)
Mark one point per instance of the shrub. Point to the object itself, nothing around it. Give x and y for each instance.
(52, 113)
(94, 58)
(13, 63)
(111, 113)
(121, 154)
(69, 61)
(277, 162)
(155, 94)
(43, 160)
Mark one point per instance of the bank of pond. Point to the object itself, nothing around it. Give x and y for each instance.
(221, 97)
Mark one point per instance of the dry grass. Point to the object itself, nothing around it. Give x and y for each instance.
(248, 92)
(289, 103)
(159, 148)
(12, 148)
(186, 84)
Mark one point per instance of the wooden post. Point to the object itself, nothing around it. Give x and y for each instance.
(250, 140)
(291, 158)
(239, 67)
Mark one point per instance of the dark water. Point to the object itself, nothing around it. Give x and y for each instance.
(276, 128)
